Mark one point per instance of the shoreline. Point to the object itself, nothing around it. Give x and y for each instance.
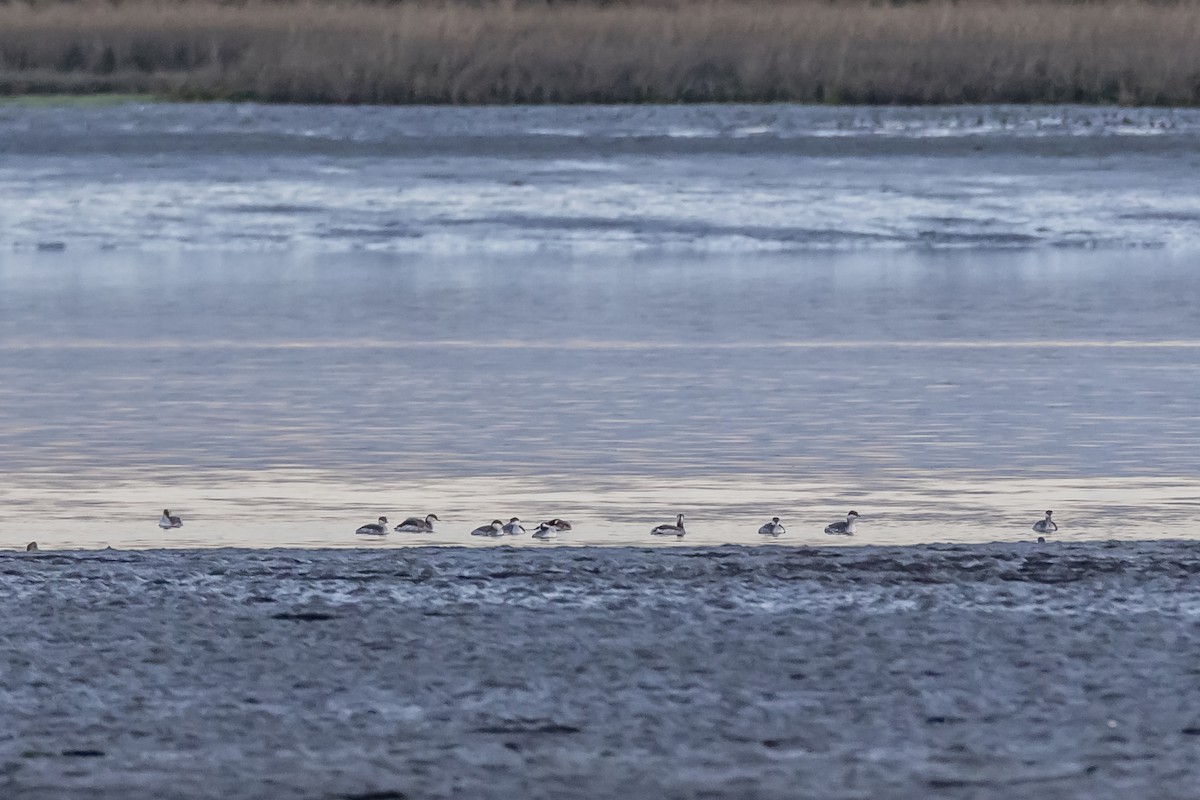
(102, 99)
(1087, 556)
(1126, 52)
(527, 545)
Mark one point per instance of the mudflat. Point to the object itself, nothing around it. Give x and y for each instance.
(982, 671)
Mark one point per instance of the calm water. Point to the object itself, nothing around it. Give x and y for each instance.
(281, 323)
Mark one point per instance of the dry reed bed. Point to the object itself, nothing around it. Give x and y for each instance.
(1126, 51)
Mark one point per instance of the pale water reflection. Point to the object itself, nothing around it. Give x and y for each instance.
(298, 508)
(285, 400)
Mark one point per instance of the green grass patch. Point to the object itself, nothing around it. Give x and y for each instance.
(76, 100)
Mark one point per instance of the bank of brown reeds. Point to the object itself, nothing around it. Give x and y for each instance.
(1120, 51)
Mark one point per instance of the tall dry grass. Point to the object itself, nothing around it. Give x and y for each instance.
(1122, 51)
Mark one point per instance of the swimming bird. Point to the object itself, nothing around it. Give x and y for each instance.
(167, 522)
(494, 528)
(374, 529)
(1045, 525)
(31, 547)
(514, 527)
(772, 528)
(667, 529)
(558, 524)
(418, 525)
(843, 528)
(546, 531)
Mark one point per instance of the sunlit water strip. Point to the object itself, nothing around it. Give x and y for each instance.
(303, 508)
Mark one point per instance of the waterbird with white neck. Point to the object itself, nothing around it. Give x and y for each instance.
(844, 528)
(418, 525)
(545, 531)
(772, 528)
(166, 521)
(374, 528)
(494, 528)
(1046, 525)
(667, 529)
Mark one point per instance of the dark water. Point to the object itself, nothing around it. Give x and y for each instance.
(284, 322)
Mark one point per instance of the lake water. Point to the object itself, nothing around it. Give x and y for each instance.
(283, 322)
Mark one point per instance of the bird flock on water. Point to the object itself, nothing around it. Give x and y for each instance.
(550, 529)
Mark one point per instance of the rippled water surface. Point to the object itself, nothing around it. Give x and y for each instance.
(283, 322)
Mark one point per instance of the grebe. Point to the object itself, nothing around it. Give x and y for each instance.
(772, 528)
(418, 525)
(166, 521)
(545, 531)
(558, 524)
(514, 527)
(667, 529)
(843, 528)
(494, 528)
(1045, 525)
(374, 529)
